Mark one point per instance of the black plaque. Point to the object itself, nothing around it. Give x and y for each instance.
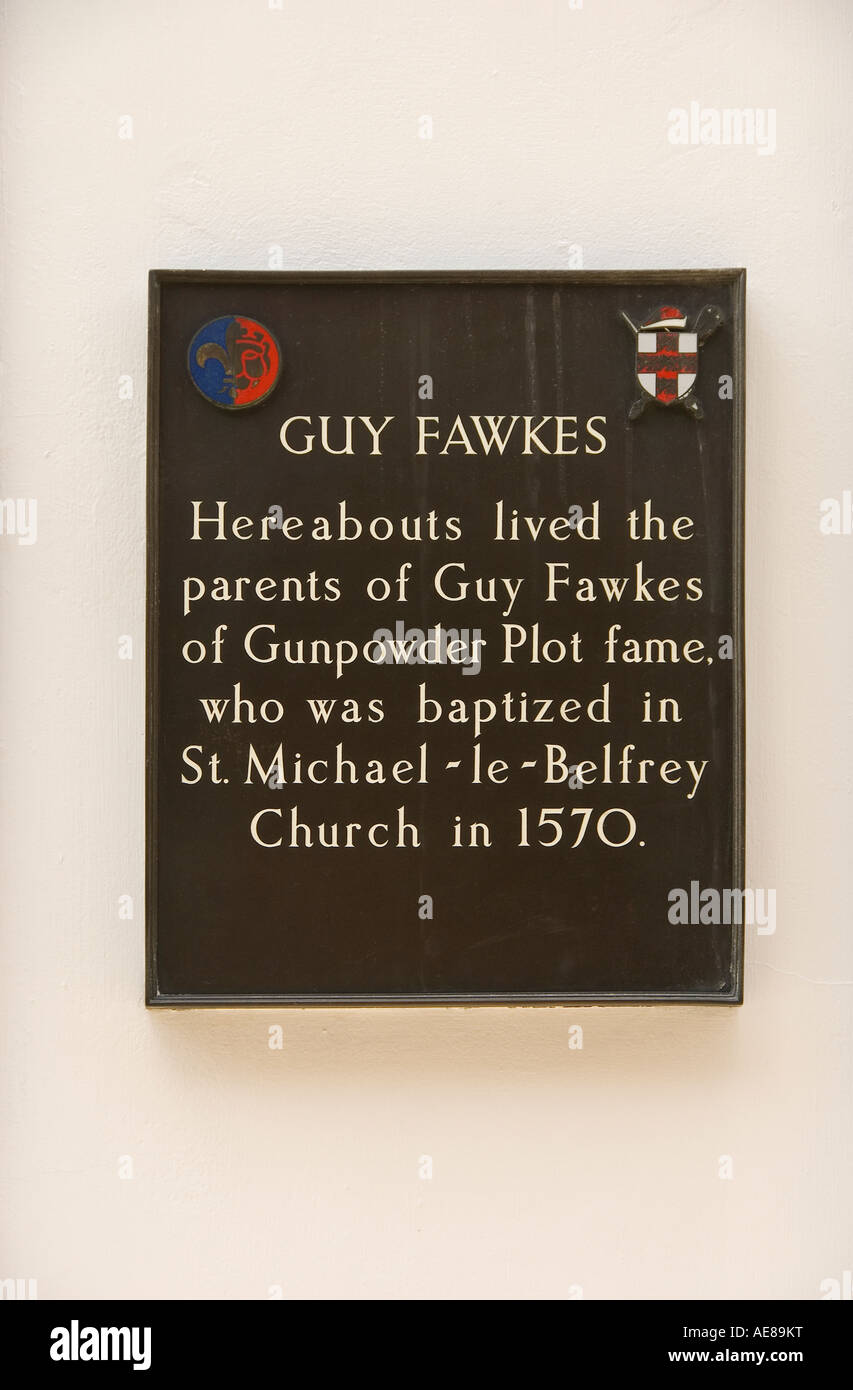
(445, 638)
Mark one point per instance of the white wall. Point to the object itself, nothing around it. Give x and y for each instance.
(256, 127)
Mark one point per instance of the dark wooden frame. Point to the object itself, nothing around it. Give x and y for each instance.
(670, 278)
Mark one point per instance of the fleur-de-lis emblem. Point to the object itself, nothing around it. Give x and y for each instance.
(249, 358)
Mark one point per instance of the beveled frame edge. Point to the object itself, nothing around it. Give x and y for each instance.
(156, 280)
(152, 631)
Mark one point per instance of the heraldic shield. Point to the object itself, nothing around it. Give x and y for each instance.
(668, 357)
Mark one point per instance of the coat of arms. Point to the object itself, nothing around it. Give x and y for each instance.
(234, 361)
(668, 357)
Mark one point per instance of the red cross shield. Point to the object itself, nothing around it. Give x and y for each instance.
(667, 363)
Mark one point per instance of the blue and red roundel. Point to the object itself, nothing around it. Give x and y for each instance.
(234, 361)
